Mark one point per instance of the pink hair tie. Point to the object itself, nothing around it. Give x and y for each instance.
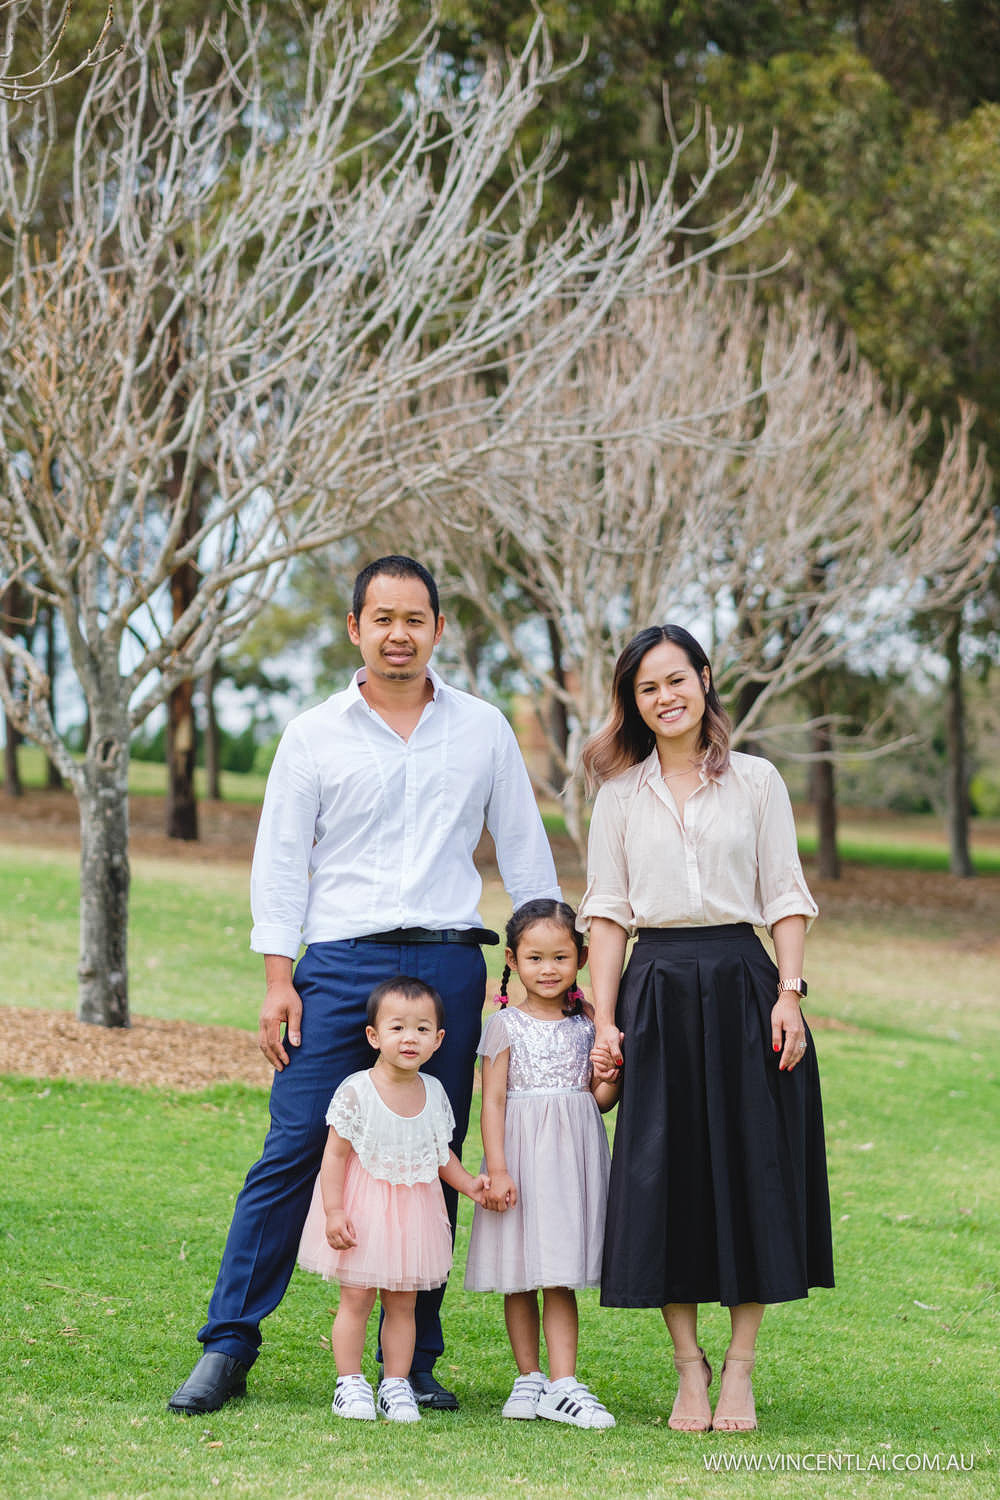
(500, 1000)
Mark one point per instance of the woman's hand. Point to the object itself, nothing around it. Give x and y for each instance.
(606, 1053)
(607, 955)
(788, 1031)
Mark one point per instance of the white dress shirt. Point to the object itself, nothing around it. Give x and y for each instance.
(362, 831)
(731, 857)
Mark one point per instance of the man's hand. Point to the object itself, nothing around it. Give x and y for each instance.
(282, 1007)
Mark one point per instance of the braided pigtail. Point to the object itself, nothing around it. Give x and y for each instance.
(574, 1002)
(502, 998)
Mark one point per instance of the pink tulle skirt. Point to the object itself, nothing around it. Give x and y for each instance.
(403, 1234)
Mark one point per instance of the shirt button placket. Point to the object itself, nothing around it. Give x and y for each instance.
(409, 820)
(691, 864)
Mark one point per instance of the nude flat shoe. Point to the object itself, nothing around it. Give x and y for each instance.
(746, 1421)
(691, 1424)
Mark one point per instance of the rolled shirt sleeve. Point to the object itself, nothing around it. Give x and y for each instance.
(781, 885)
(607, 893)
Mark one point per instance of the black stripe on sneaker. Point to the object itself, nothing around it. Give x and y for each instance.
(573, 1408)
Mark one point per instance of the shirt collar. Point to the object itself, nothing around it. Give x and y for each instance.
(650, 770)
(352, 693)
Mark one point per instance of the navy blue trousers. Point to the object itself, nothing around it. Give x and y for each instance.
(334, 981)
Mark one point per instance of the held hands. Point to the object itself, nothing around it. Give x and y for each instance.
(606, 1053)
(478, 1188)
(501, 1192)
(455, 1175)
(339, 1230)
(788, 1032)
(282, 1007)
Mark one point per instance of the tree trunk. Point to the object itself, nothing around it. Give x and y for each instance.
(104, 878)
(823, 791)
(558, 725)
(182, 742)
(957, 773)
(211, 741)
(747, 696)
(11, 770)
(9, 617)
(53, 779)
(182, 737)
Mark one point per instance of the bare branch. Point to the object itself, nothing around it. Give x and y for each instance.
(47, 23)
(701, 460)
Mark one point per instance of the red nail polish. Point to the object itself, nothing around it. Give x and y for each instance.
(777, 1046)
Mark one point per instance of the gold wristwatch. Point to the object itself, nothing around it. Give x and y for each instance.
(798, 985)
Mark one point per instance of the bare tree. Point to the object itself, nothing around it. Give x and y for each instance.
(706, 461)
(274, 317)
(31, 59)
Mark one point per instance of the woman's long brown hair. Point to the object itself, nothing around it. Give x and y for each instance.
(625, 740)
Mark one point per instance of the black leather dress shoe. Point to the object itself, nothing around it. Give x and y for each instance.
(430, 1393)
(215, 1379)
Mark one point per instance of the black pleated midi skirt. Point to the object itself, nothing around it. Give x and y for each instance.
(718, 1186)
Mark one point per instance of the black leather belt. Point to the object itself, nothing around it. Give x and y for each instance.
(469, 935)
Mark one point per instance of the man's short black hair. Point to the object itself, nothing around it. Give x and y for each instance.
(395, 567)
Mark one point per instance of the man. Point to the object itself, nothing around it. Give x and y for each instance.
(374, 806)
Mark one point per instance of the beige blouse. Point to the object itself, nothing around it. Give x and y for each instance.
(731, 857)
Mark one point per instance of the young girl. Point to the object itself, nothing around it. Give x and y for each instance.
(378, 1220)
(547, 1160)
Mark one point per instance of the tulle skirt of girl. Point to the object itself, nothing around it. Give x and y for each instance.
(403, 1233)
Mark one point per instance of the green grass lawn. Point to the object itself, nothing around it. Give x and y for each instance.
(116, 1201)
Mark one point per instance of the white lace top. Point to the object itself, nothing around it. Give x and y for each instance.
(395, 1148)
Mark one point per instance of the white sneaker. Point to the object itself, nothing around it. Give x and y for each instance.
(566, 1400)
(396, 1401)
(354, 1398)
(523, 1399)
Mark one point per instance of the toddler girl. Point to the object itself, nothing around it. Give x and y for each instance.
(547, 1159)
(378, 1220)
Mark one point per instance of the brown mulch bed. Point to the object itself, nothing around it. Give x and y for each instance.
(181, 1055)
(168, 1054)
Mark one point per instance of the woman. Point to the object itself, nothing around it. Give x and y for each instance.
(718, 1180)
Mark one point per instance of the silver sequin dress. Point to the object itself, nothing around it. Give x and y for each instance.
(557, 1153)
